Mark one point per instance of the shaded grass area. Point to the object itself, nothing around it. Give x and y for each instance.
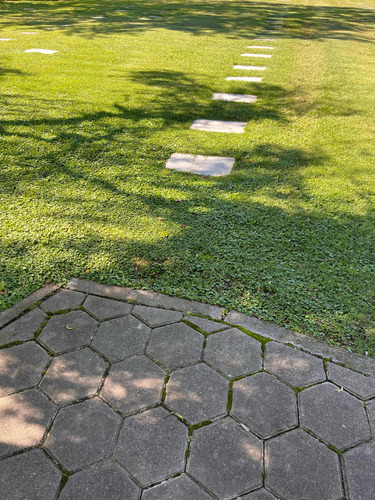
(288, 236)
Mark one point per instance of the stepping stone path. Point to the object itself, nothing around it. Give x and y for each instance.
(203, 165)
(249, 68)
(120, 393)
(41, 51)
(234, 97)
(265, 56)
(244, 78)
(219, 126)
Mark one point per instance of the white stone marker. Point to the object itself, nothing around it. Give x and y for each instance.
(249, 68)
(244, 78)
(5, 39)
(42, 51)
(260, 47)
(219, 126)
(257, 55)
(234, 97)
(202, 165)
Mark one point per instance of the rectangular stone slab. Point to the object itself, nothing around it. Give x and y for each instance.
(234, 97)
(219, 126)
(244, 78)
(42, 51)
(249, 68)
(260, 47)
(267, 56)
(202, 165)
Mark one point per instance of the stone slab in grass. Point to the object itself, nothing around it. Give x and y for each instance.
(202, 165)
(249, 68)
(219, 126)
(244, 78)
(41, 51)
(221, 96)
(265, 39)
(5, 39)
(29, 32)
(265, 47)
(265, 56)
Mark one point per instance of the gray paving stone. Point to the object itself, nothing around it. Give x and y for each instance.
(333, 415)
(68, 331)
(73, 376)
(299, 466)
(134, 384)
(371, 415)
(359, 385)
(244, 78)
(21, 367)
(359, 471)
(293, 366)
(206, 325)
(260, 47)
(104, 481)
(264, 404)
(103, 308)
(152, 446)
(219, 126)
(263, 56)
(202, 165)
(83, 434)
(221, 96)
(249, 68)
(175, 345)
(121, 337)
(197, 393)
(261, 494)
(226, 459)
(154, 316)
(233, 352)
(66, 299)
(23, 328)
(24, 418)
(29, 476)
(179, 488)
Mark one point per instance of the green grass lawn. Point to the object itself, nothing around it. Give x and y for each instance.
(85, 133)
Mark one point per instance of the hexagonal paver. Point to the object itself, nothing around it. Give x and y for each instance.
(103, 308)
(233, 352)
(67, 299)
(206, 325)
(134, 384)
(371, 415)
(264, 404)
(226, 459)
(299, 466)
(106, 480)
(68, 331)
(334, 415)
(181, 488)
(197, 393)
(152, 446)
(73, 376)
(154, 316)
(30, 475)
(361, 386)
(23, 328)
(121, 337)
(83, 434)
(24, 418)
(293, 366)
(261, 494)
(175, 345)
(21, 367)
(359, 471)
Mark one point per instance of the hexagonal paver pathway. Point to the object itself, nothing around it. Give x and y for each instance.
(130, 394)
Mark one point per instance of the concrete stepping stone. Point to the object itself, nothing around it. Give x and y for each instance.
(244, 78)
(83, 434)
(201, 165)
(23, 328)
(359, 471)
(154, 316)
(42, 51)
(299, 466)
(98, 17)
(249, 68)
(29, 32)
(73, 376)
(5, 39)
(226, 459)
(334, 416)
(21, 367)
(103, 481)
(103, 308)
(134, 384)
(219, 126)
(24, 418)
(181, 488)
(361, 386)
(265, 47)
(265, 56)
(152, 446)
(220, 96)
(197, 393)
(67, 299)
(264, 39)
(29, 475)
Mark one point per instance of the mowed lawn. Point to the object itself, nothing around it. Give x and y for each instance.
(85, 133)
